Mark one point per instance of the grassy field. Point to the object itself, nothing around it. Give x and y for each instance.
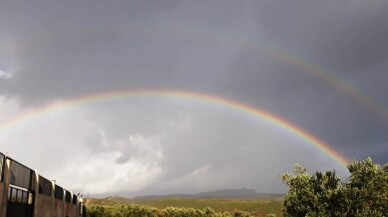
(257, 207)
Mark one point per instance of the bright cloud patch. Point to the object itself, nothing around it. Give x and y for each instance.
(104, 175)
(5, 75)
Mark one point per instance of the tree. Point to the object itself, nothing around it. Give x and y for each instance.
(365, 193)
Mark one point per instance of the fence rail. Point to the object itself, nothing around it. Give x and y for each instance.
(21, 175)
(58, 192)
(45, 186)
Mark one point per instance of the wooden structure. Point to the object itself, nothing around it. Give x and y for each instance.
(25, 193)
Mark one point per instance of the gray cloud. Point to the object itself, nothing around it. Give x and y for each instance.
(359, 44)
(55, 51)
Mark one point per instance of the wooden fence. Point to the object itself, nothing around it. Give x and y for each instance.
(25, 193)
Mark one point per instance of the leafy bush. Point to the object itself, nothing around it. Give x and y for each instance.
(365, 193)
(134, 210)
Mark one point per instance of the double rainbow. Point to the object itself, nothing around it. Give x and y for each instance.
(227, 39)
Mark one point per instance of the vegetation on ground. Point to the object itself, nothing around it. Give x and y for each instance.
(121, 210)
(229, 207)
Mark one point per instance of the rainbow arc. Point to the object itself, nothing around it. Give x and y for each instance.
(209, 99)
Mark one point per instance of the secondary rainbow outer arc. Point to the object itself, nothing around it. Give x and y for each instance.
(291, 59)
(183, 95)
(340, 85)
(283, 56)
(300, 63)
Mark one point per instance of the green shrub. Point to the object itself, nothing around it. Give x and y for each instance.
(134, 210)
(365, 193)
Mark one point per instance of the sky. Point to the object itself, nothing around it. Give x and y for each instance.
(319, 66)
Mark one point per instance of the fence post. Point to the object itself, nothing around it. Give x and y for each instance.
(52, 197)
(2, 177)
(71, 204)
(7, 180)
(36, 196)
(63, 203)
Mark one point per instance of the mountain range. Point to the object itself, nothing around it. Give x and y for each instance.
(242, 193)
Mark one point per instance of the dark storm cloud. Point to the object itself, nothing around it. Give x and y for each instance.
(112, 46)
(346, 33)
(63, 49)
(68, 49)
(361, 43)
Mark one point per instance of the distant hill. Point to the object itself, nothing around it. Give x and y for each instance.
(222, 193)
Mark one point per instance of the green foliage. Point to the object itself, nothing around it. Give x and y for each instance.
(255, 207)
(322, 194)
(241, 214)
(367, 189)
(134, 210)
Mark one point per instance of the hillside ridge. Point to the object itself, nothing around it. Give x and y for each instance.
(242, 193)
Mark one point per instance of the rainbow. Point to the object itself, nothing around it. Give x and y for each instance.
(292, 60)
(183, 96)
(336, 82)
(230, 40)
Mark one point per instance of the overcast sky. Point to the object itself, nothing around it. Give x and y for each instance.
(319, 65)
